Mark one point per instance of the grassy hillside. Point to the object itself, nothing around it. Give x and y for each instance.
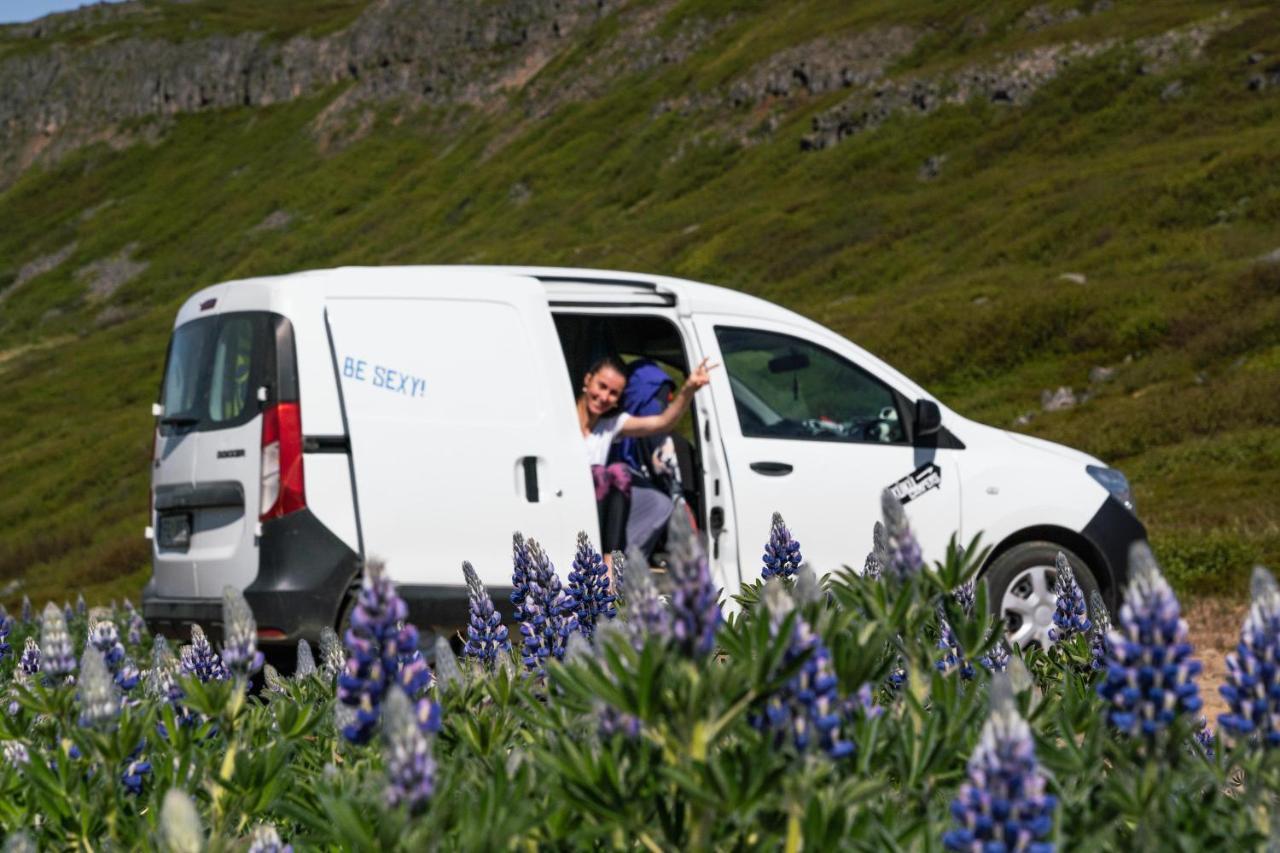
(1160, 206)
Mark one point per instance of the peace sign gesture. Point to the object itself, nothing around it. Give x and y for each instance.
(700, 376)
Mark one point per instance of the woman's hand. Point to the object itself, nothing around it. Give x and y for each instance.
(699, 377)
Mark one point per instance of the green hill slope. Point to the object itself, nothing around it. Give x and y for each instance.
(993, 236)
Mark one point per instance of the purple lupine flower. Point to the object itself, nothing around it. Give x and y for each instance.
(695, 600)
(996, 660)
(104, 637)
(68, 613)
(265, 839)
(807, 709)
(521, 574)
(863, 702)
(199, 658)
(965, 595)
(137, 627)
(610, 721)
(904, 557)
(1099, 645)
(55, 644)
(645, 614)
(953, 656)
(15, 753)
(485, 632)
(26, 610)
(1151, 676)
(332, 656)
(6, 625)
(81, 607)
(1252, 690)
(1003, 805)
(162, 678)
(383, 649)
(878, 557)
(588, 587)
(29, 661)
(99, 696)
(306, 663)
(1204, 738)
(411, 771)
(447, 670)
(135, 773)
(1070, 615)
(618, 562)
(782, 552)
(239, 634)
(549, 618)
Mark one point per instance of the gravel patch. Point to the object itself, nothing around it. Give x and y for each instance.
(108, 275)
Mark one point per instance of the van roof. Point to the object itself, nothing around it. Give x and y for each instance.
(565, 286)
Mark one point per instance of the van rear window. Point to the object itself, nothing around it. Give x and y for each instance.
(213, 371)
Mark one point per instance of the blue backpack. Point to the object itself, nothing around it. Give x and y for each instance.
(648, 391)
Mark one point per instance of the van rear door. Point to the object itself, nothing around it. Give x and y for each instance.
(461, 422)
(206, 478)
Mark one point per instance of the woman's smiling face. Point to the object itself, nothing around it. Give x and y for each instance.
(603, 389)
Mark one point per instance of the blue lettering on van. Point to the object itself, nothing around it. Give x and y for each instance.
(381, 376)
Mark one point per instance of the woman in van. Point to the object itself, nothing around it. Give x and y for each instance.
(602, 425)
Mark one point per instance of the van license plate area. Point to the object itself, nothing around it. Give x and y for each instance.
(175, 531)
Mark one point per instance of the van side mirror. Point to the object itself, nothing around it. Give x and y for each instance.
(928, 417)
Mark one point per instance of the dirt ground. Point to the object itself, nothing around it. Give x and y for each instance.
(1215, 631)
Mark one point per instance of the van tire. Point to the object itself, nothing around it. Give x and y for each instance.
(1020, 588)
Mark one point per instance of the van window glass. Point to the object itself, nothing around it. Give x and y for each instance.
(214, 368)
(787, 387)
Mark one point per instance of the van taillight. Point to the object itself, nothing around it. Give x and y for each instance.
(282, 487)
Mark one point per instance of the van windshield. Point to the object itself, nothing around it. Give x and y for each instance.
(214, 368)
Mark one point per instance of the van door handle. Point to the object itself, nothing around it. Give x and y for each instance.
(530, 464)
(771, 469)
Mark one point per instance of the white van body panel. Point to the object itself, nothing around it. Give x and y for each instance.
(461, 420)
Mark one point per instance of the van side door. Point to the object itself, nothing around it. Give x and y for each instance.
(812, 433)
(461, 422)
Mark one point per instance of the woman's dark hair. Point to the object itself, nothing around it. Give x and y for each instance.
(607, 361)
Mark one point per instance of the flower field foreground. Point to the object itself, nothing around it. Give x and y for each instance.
(877, 709)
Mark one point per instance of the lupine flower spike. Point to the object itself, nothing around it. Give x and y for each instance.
(29, 662)
(448, 673)
(807, 710)
(265, 839)
(99, 696)
(199, 658)
(180, 823)
(6, 624)
(966, 596)
(695, 600)
(953, 657)
(136, 627)
(383, 650)
(273, 680)
(1252, 690)
(486, 634)
(306, 664)
(162, 684)
(81, 607)
(996, 660)
(26, 610)
(68, 613)
(646, 614)
(1003, 805)
(135, 773)
(618, 562)
(240, 648)
(411, 771)
(1070, 616)
(104, 637)
(1098, 642)
(332, 656)
(521, 575)
(55, 644)
(782, 552)
(1151, 675)
(588, 587)
(903, 551)
(548, 613)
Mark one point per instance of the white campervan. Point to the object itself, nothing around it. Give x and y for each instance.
(422, 414)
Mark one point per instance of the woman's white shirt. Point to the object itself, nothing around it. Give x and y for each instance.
(602, 435)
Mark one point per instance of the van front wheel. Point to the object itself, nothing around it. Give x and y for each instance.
(1020, 589)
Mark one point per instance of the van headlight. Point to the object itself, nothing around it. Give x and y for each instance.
(1114, 482)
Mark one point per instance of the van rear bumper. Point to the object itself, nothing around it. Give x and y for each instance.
(304, 572)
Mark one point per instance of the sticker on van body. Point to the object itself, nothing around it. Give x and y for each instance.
(915, 484)
(381, 376)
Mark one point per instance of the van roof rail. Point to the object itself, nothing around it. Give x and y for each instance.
(568, 291)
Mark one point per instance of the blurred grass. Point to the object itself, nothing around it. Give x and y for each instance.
(1163, 205)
